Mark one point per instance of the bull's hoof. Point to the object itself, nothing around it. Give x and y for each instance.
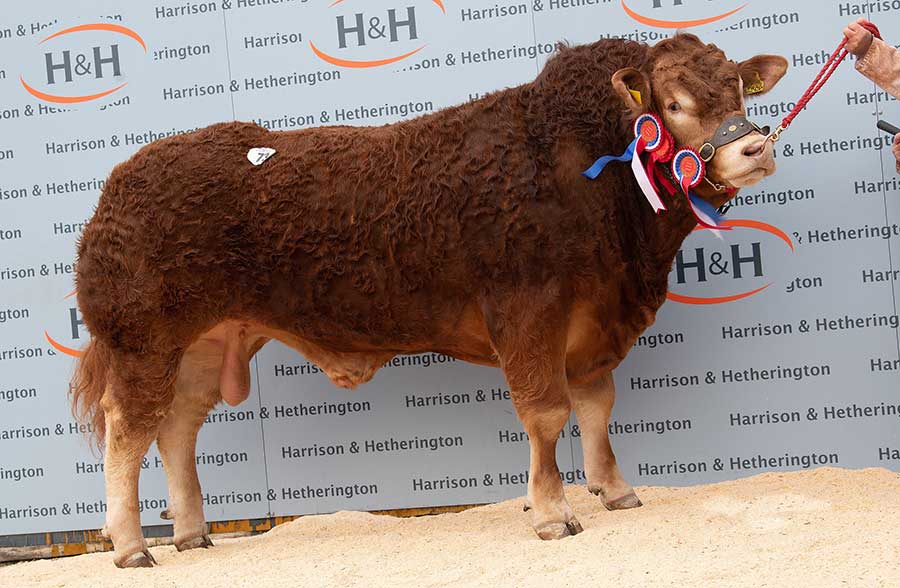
(627, 500)
(574, 527)
(167, 515)
(553, 531)
(141, 559)
(194, 543)
(630, 500)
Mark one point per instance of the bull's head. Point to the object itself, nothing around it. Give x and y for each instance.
(695, 89)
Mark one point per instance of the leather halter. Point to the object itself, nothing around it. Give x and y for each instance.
(731, 130)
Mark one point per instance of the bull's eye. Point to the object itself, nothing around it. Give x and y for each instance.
(674, 107)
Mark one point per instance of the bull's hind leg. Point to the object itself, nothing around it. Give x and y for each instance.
(177, 444)
(593, 405)
(136, 399)
(196, 391)
(218, 359)
(531, 347)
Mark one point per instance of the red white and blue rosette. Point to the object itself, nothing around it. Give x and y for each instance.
(656, 140)
(689, 169)
(649, 128)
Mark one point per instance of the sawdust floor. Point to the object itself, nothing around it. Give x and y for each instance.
(821, 528)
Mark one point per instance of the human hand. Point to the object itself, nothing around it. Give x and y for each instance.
(858, 39)
(896, 150)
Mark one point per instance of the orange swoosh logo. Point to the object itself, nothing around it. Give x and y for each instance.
(715, 300)
(676, 24)
(62, 348)
(110, 28)
(68, 99)
(758, 225)
(358, 64)
(439, 3)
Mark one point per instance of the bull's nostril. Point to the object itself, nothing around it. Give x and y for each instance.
(754, 150)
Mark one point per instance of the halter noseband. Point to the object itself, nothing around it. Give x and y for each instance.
(734, 128)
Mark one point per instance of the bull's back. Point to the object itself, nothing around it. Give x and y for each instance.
(333, 237)
(361, 233)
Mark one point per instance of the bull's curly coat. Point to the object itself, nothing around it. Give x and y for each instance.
(468, 232)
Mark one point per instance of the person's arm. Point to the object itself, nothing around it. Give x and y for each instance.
(876, 60)
(881, 64)
(896, 151)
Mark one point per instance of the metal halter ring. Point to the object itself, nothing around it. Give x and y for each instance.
(706, 152)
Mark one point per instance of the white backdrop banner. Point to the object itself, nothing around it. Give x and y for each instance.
(778, 350)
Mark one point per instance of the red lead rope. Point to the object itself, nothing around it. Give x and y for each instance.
(830, 67)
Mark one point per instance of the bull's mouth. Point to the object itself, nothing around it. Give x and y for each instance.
(750, 178)
(757, 163)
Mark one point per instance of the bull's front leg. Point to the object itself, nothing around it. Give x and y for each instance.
(593, 404)
(528, 334)
(543, 417)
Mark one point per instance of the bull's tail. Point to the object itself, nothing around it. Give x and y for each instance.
(88, 386)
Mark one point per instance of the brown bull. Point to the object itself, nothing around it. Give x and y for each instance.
(468, 232)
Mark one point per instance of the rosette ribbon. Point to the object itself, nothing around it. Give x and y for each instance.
(650, 137)
(689, 170)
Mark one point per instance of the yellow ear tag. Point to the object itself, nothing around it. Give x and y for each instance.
(637, 96)
(756, 87)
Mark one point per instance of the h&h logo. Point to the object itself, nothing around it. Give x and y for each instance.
(81, 63)
(375, 35)
(75, 325)
(713, 275)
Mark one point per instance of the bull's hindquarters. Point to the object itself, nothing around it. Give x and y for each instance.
(138, 394)
(143, 403)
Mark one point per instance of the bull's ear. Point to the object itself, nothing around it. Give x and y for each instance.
(761, 73)
(633, 88)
